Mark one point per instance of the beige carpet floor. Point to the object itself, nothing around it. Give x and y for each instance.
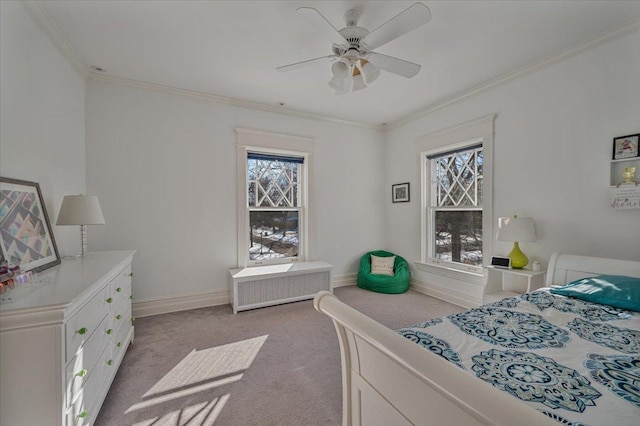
(272, 366)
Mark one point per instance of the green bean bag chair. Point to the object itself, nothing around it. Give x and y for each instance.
(398, 283)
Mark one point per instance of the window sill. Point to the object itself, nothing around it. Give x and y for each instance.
(456, 274)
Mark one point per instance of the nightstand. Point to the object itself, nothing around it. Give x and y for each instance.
(506, 282)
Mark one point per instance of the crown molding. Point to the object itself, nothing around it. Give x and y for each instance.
(106, 78)
(49, 28)
(606, 37)
(42, 19)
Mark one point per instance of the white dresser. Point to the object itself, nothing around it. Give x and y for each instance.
(62, 339)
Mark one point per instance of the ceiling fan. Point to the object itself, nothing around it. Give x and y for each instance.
(355, 64)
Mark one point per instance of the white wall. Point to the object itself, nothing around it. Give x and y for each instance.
(552, 146)
(41, 116)
(163, 167)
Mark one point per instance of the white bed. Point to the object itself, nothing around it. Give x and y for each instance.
(389, 380)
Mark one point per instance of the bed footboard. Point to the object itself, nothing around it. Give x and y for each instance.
(389, 380)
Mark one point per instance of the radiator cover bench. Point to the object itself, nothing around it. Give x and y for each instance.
(259, 286)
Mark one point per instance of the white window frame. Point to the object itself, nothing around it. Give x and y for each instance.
(431, 207)
(479, 131)
(276, 144)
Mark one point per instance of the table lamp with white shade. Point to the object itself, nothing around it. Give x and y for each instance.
(516, 229)
(80, 210)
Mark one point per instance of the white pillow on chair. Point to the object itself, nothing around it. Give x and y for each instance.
(382, 265)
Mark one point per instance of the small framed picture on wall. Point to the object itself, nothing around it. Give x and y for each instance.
(400, 193)
(625, 147)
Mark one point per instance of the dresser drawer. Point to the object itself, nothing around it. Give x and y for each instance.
(119, 340)
(84, 323)
(85, 398)
(82, 366)
(122, 283)
(121, 313)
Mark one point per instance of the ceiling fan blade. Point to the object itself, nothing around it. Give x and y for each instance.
(394, 65)
(303, 64)
(408, 20)
(320, 23)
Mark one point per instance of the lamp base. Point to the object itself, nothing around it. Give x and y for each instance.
(518, 259)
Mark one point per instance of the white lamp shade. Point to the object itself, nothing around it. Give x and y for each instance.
(346, 87)
(358, 83)
(337, 82)
(516, 229)
(370, 73)
(80, 210)
(339, 69)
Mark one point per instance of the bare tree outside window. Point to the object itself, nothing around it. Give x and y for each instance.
(274, 208)
(456, 206)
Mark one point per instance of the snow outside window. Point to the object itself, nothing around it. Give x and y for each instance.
(455, 210)
(275, 207)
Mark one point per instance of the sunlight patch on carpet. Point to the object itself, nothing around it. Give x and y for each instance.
(209, 364)
(200, 371)
(202, 414)
(184, 392)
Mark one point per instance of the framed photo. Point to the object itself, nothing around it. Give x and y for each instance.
(400, 193)
(625, 147)
(26, 238)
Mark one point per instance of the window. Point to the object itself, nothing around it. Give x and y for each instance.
(456, 199)
(274, 222)
(455, 208)
(275, 208)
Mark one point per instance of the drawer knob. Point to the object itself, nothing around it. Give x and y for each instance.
(109, 300)
(82, 330)
(110, 362)
(118, 316)
(131, 274)
(133, 319)
(109, 331)
(118, 289)
(131, 297)
(81, 373)
(119, 344)
(83, 415)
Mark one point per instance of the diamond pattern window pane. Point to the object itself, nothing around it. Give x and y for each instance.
(459, 179)
(272, 183)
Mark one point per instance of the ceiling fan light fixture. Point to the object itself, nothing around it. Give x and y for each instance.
(369, 72)
(339, 69)
(346, 87)
(337, 83)
(358, 83)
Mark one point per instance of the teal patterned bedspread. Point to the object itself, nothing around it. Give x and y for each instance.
(577, 362)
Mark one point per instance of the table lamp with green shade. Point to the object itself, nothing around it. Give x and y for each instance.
(516, 229)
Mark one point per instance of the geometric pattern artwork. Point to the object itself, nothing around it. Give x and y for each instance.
(510, 329)
(531, 377)
(23, 229)
(621, 339)
(619, 373)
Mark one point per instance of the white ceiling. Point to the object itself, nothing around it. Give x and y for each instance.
(232, 48)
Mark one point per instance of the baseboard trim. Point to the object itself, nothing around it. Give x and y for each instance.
(345, 280)
(165, 305)
(448, 295)
(180, 303)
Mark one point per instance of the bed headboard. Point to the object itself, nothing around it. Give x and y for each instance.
(565, 268)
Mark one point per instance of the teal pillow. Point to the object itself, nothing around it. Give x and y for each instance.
(618, 291)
